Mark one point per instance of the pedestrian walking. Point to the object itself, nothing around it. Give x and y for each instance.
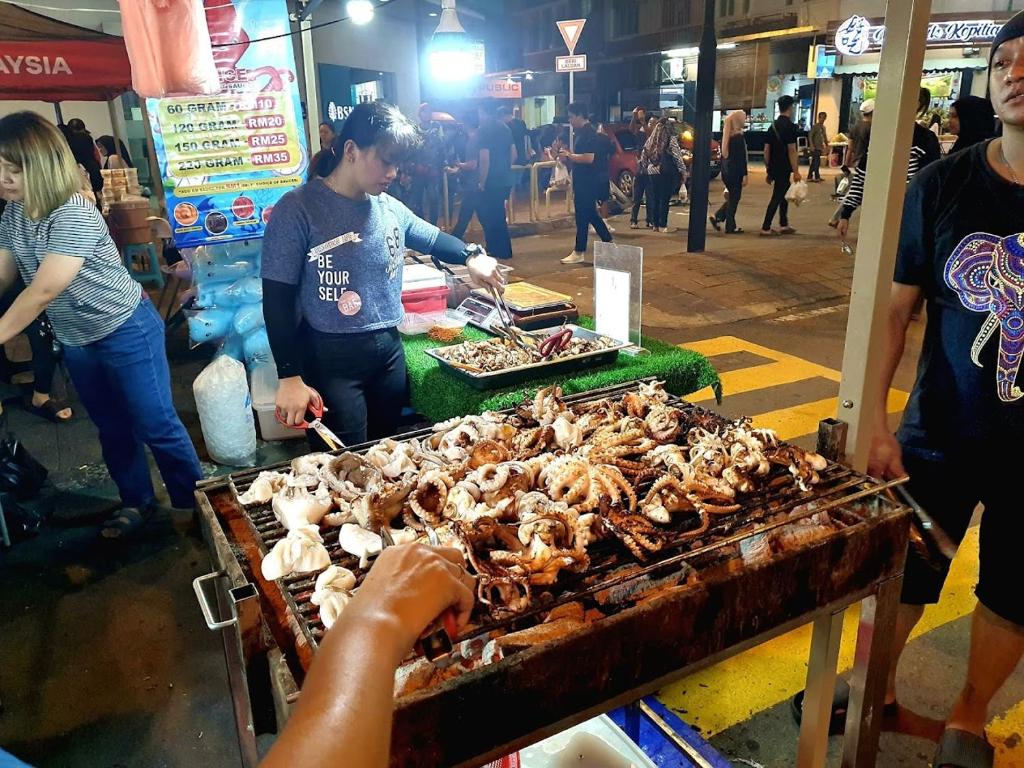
(469, 176)
(495, 183)
(734, 171)
(782, 163)
(924, 150)
(428, 168)
(586, 160)
(819, 146)
(971, 119)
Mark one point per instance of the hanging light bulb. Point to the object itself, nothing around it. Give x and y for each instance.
(359, 11)
(449, 53)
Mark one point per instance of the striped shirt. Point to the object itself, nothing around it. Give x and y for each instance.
(924, 151)
(102, 295)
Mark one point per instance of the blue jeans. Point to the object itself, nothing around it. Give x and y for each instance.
(124, 383)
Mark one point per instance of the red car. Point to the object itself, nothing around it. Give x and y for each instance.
(622, 164)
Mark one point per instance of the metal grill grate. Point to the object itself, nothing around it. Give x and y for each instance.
(836, 493)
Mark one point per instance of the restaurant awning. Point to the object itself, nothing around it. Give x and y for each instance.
(43, 59)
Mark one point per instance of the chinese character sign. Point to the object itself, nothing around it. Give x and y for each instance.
(227, 159)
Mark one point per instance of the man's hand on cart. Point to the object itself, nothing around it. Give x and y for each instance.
(886, 458)
(293, 400)
(483, 270)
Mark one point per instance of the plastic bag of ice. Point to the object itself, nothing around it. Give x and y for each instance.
(225, 412)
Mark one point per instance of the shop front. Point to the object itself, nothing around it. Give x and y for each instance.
(956, 58)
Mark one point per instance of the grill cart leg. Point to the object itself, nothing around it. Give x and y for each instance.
(870, 670)
(821, 683)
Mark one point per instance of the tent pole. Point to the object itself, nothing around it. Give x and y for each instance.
(899, 77)
(154, 165)
(312, 98)
(115, 123)
(58, 113)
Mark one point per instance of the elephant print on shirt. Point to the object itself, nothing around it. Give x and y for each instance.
(987, 273)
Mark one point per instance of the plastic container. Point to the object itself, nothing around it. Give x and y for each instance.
(425, 300)
(416, 323)
(129, 220)
(264, 393)
(416, 277)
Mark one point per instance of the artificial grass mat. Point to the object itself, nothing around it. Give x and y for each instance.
(438, 395)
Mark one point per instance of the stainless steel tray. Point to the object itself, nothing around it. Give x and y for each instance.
(510, 377)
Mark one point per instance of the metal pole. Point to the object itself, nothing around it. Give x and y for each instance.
(899, 77)
(309, 75)
(115, 123)
(572, 98)
(58, 113)
(697, 231)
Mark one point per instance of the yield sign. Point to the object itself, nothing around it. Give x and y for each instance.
(571, 31)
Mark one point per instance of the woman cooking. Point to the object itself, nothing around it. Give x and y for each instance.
(332, 279)
(113, 337)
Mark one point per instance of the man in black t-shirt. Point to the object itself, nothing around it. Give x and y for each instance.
(586, 177)
(962, 250)
(782, 163)
(494, 169)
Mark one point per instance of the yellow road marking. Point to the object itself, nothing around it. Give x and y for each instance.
(802, 419)
(1008, 726)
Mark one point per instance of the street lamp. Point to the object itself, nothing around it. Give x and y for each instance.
(359, 11)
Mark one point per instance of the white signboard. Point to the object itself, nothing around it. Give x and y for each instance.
(611, 303)
(571, 63)
(857, 35)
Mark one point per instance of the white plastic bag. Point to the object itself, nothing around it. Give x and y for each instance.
(225, 412)
(797, 193)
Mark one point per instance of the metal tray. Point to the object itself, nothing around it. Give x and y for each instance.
(510, 377)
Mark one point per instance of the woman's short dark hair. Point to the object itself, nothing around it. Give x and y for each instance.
(377, 125)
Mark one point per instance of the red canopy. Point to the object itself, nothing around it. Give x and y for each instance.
(43, 59)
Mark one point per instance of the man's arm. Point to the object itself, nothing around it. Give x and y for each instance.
(344, 713)
(794, 161)
(885, 460)
(485, 167)
(584, 158)
(54, 275)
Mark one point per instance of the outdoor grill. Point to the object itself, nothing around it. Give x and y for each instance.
(694, 602)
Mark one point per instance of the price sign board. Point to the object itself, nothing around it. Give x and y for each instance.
(227, 159)
(571, 63)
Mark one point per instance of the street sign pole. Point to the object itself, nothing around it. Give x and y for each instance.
(571, 29)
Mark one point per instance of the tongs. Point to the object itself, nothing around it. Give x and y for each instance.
(507, 325)
(931, 537)
(435, 644)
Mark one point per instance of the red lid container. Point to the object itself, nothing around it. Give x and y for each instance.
(425, 300)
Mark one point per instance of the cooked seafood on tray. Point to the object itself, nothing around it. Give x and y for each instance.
(500, 353)
(525, 495)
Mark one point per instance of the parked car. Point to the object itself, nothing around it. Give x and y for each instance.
(686, 139)
(622, 165)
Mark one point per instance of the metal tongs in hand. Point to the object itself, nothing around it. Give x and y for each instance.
(435, 644)
(507, 328)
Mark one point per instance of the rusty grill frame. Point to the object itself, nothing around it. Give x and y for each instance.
(440, 725)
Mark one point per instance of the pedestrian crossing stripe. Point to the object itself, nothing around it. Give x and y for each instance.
(762, 677)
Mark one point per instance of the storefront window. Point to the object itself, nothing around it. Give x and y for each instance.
(945, 88)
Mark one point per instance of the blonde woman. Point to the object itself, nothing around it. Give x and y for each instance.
(113, 338)
(734, 171)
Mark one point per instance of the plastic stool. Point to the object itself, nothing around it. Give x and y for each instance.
(147, 267)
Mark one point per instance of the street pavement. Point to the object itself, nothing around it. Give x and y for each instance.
(108, 661)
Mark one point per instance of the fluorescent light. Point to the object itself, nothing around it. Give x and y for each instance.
(359, 11)
(677, 53)
(451, 65)
(726, 46)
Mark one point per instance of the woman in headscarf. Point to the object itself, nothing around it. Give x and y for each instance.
(972, 120)
(734, 170)
(661, 158)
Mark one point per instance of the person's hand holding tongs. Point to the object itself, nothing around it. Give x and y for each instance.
(317, 408)
(483, 269)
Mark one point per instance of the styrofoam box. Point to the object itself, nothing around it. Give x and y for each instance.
(596, 743)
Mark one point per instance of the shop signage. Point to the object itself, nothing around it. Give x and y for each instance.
(57, 70)
(857, 34)
(498, 88)
(227, 159)
(338, 111)
(565, 64)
